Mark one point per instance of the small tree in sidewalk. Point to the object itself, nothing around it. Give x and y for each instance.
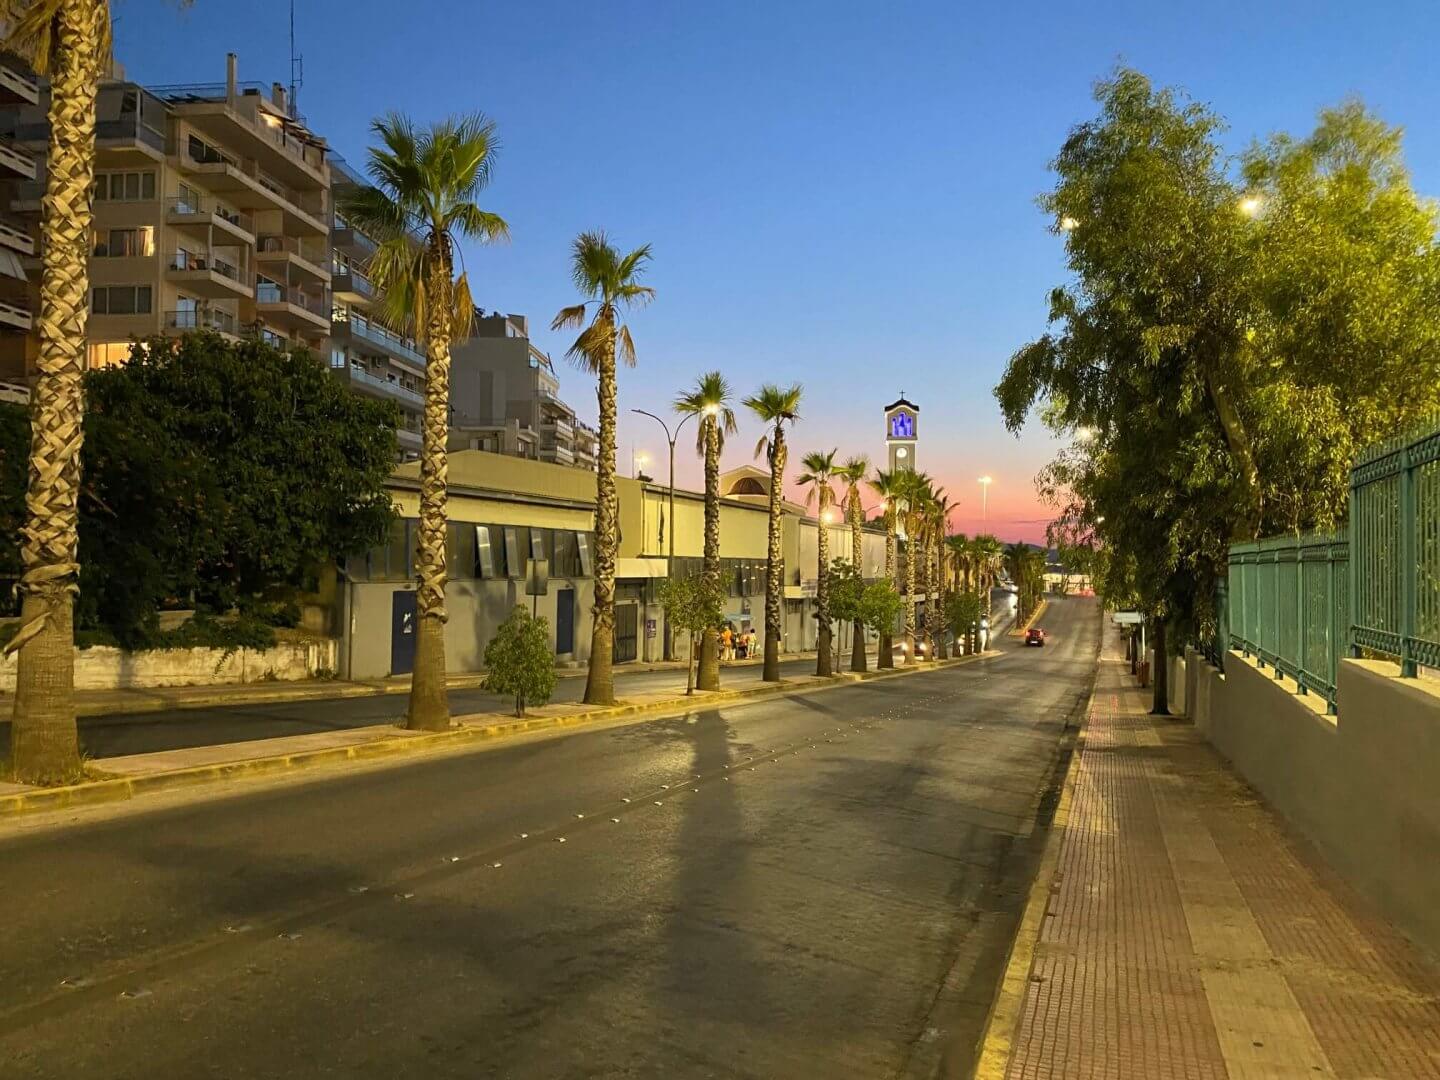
(847, 600)
(962, 618)
(880, 606)
(519, 661)
(694, 604)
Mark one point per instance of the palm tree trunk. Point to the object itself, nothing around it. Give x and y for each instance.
(429, 702)
(44, 747)
(600, 677)
(942, 651)
(929, 596)
(857, 557)
(709, 677)
(774, 566)
(822, 595)
(910, 574)
(886, 658)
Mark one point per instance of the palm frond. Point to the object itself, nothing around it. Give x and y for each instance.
(31, 31)
(469, 220)
(570, 316)
(625, 346)
(588, 348)
(462, 314)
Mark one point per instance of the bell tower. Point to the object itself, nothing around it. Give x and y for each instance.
(902, 422)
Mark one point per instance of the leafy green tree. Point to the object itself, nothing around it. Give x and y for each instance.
(696, 604)
(962, 616)
(880, 605)
(610, 282)
(214, 470)
(519, 660)
(422, 202)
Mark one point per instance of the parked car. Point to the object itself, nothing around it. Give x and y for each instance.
(1035, 636)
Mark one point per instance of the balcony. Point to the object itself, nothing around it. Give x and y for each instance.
(17, 88)
(203, 218)
(350, 284)
(251, 188)
(351, 240)
(557, 428)
(206, 275)
(289, 307)
(370, 381)
(203, 319)
(15, 162)
(16, 238)
(556, 452)
(287, 251)
(249, 120)
(359, 328)
(14, 318)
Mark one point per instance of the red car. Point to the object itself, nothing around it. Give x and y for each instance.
(1035, 636)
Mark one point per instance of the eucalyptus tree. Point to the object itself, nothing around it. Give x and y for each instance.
(609, 280)
(775, 406)
(820, 472)
(710, 401)
(421, 202)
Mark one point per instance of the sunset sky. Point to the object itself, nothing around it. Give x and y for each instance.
(840, 194)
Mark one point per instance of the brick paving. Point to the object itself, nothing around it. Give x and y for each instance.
(1189, 934)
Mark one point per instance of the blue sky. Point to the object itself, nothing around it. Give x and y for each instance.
(837, 193)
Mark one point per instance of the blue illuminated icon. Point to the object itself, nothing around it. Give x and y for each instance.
(902, 426)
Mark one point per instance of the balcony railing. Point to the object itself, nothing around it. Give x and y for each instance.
(248, 167)
(190, 260)
(349, 279)
(246, 94)
(268, 292)
(207, 319)
(374, 332)
(359, 374)
(194, 206)
(275, 245)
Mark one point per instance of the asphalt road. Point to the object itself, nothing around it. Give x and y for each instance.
(176, 729)
(818, 886)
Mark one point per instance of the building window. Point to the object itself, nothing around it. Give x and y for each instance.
(337, 358)
(121, 300)
(125, 243)
(204, 153)
(125, 187)
(103, 354)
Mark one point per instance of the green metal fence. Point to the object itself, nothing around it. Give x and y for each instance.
(1300, 603)
(1288, 607)
(1395, 526)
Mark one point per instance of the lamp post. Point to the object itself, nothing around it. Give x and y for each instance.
(985, 498)
(670, 437)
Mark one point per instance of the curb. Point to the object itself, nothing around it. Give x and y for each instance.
(997, 1039)
(472, 729)
(1016, 631)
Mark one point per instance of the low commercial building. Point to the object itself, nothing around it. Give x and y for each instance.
(505, 511)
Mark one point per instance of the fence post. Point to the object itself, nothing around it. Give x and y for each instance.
(1222, 619)
(1332, 643)
(1352, 606)
(1275, 562)
(1300, 616)
(1408, 569)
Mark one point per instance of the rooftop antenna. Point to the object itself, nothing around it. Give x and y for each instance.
(297, 68)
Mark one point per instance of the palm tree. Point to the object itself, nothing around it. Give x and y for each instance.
(819, 472)
(610, 281)
(852, 474)
(885, 485)
(68, 40)
(710, 401)
(940, 507)
(960, 555)
(912, 491)
(421, 203)
(775, 406)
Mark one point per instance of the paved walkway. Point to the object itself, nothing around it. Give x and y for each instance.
(1190, 934)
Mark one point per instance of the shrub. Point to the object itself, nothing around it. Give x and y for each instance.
(518, 660)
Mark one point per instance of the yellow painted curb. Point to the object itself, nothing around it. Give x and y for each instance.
(121, 788)
(1039, 610)
(997, 1041)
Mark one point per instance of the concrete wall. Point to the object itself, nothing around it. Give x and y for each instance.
(104, 668)
(1360, 786)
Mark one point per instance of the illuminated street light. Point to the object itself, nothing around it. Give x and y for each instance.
(985, 482)
(827, 516)
(711, 409)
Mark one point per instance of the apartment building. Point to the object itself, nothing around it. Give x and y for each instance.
(505, 398)
(370, 357)
(18, 89)
(212, 210)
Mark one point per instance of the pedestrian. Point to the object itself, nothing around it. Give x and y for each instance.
(741, 646)
(727, 638)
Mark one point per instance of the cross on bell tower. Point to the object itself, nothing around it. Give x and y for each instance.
(902, 420)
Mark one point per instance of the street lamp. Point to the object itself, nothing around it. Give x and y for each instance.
(985, 482)
(670, 437)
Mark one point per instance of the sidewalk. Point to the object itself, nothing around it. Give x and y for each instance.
(1186, 932)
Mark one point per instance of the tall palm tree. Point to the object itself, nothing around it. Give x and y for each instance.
(611, 282)
(913, 491)
(852, 475)
(989, 555)
(775, 406)
(710, 401)
(68, 40)
(885, 486)
(940, 507)
(819, 473)
(959, 553)
(422, 202)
